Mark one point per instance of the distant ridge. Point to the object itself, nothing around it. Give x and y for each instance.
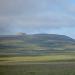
(18, 35)
(21, 34)
(37, 37)
(54, 37)
(35, 44)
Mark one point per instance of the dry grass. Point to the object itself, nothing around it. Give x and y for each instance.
(37, 58)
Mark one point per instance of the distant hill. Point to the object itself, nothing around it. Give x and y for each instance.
(52, 37)
(35, 44)
(38, 37)
(12, 37)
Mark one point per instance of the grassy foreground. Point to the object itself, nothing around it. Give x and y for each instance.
(50, 65)
(38, 69)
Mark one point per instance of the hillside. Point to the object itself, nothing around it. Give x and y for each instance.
(35, 44)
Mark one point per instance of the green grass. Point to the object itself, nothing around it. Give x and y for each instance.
(38, 69)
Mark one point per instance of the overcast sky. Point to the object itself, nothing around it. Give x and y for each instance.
(37, 16)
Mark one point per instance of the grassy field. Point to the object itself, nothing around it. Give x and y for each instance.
(38, 58)
(38, 69)
(55, 64)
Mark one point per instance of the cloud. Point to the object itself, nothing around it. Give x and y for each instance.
(35, 14)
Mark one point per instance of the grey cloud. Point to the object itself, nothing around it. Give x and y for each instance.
(34, 14)
(22, 6)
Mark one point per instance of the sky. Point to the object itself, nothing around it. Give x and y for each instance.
(37, 16)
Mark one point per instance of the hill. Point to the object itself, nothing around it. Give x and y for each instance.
(35, 44)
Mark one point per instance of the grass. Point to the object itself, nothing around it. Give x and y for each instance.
(38, 69)
(38, 58)
(51, 68)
